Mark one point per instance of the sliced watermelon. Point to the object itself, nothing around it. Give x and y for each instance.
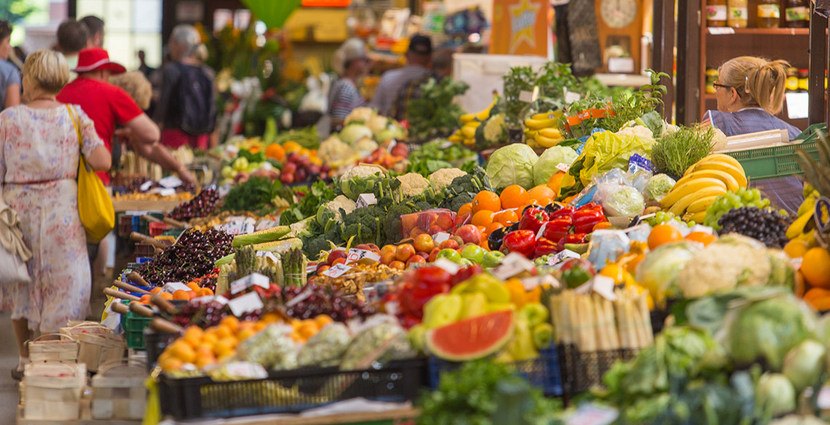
(472, 338)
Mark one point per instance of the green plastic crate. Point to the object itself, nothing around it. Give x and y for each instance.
(133, 326)
(765, 163)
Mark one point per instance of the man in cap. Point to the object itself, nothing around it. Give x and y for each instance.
(109, 106)
(418, 57)
(352, 64)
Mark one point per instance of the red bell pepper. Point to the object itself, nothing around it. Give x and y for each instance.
(533, 218)
(558, 228)
(565, 211)
(588, 216)
(545, 246)
(520, 241)
(575, 238)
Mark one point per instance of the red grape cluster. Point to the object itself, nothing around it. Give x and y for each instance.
(299, 169)
(202, 205)
(323, 299)
(191, 257)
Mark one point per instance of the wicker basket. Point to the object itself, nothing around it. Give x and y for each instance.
(97, 344)
(53, 347)
(52, 391)
(118, 391)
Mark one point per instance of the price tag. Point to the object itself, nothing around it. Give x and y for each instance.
(244, 304)
(525, 96)
(721, 30)
(591, 414)
(337, 270)
(604, 286)
(246, 282)
(366, 199)
(166, 192)
(702, 228)
(209, 299)
(355, 255)
(146, 186)
(175, 286)
(571, 97)
(563, 167)
(447, 265)
(532, 282)
(511, 265)
(562, 256)
(541, 231)
(269, 255)
(440, 237)
(170, 182)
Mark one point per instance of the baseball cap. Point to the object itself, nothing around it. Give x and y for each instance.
(351, 49)
(420, 44)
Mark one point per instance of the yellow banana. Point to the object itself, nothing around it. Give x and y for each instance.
(546, 115)
(702, 204)
(736, 172)
(469, 142)
(679, 207)
(455, 137)
(551, 133)
(808, 205)
(466, 118)
(730, 181)
(547, 142)
(679, 191)
(532, 142)
(696, 217)
(483, 115)
(469, 131)
(540, 124)
(721, 157)
(798, 225)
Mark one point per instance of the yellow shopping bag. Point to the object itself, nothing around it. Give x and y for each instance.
(94, 203)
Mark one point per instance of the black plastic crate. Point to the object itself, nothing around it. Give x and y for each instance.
(290, 391)
(155, 343)
(583, 370)
(543, 372)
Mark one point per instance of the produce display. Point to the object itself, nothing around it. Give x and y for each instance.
(568, 244)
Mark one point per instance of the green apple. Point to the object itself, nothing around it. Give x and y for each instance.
(535, 313)
(441, 310)
(450, 254)
(542, 335)
(492, 259)
(473, 253)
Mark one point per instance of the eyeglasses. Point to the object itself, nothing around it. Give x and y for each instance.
(721, 85)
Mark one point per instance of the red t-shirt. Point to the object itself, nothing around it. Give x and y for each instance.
(107, 105)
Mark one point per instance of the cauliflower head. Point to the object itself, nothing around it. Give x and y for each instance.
(444, 177)
(336, 152)
(413, 184)
(722, 266)
(362, 115)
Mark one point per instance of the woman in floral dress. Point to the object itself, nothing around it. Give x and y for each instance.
(39, 154)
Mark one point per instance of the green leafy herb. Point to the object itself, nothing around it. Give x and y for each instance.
(433, 113)
(259, 195)
(675, 152)
(437, 154)
(311, 197)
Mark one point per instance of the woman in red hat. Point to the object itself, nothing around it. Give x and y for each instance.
(39, 154)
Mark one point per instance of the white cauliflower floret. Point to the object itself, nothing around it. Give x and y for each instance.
(722, 266)
(362, 114)
(365, 146)
(444, 177)
(639, 131)
(413, 184)
(336, 152)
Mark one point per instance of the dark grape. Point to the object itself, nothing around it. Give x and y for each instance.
(202, 205)
(764, 225)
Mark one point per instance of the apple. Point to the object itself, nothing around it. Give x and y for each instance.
(423, 243)
(492, 259)
(335, 255)
(469, 234)
(473, 253)
(433, 255)
(415, 259)
(404, 251)
(449, 244)
(450, 254)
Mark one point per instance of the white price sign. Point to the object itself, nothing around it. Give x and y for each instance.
(356, 255)
(337, 270)
(244, 304)
(511, 265)
(246, 282)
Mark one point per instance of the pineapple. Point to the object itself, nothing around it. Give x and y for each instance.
(817, 174)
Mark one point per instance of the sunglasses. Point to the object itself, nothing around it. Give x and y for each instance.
(716, 85)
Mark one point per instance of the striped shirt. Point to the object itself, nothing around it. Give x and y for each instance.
(343, 98)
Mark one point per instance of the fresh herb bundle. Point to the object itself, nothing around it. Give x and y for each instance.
(675, 152)
(259, 195)
(434, 114)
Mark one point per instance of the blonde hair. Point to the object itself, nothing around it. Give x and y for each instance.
(47, 69)
(759, 82)
(136, 85)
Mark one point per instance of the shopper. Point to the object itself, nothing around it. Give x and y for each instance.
(9, 76)
(750, 91)
(441, 68)
(418, 58)
(95, 27)
(109, 106)
(39, 154)
(72, 38)
(351, 64)
(142, 65)
(186, 109)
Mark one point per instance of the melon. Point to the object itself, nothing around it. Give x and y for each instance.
(472, 338)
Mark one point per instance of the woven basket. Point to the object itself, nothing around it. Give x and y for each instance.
(97, 344)
(118, 391)
(52, 391)
(53, 347)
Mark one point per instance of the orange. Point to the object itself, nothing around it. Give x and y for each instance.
(514, 196)
(274, 317)
(193, 336)
(166, 295)
(224, 347)
(246, 333)
(308, 329)
(170, 364)
(465, 209)
(323, 320)
(145, 299)
(155, 290)
(193, 286)
(231, 322)
(492, 227)
(506, 217)
(555, 182)
(181, 295)
(223, 331)
(183, 351)
(209, 339)
(542, 195)
(486, 200)
(275, 151)
(702, 237)
(663, 234)
(258, 326)
(796, 248)
(204, 292)
(815, 265)
(483, 218)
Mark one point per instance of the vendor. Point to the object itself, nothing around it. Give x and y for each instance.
(351, 64)
(418, 59)
(750, 91)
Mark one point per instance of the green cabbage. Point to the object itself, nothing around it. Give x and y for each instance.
(550, 158)
(804, 364)
(774, 396)
(354, 132)
(512, 164)
(625, 201)
(657, 187)
(766, 330)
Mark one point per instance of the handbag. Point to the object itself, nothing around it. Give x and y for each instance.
(13, 251)
(94, 203)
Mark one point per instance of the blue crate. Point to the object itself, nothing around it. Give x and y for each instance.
(543, 372)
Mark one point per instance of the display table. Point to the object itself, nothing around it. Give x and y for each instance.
(144, 205)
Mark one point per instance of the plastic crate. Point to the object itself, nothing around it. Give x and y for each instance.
(543, 372)
(583, 370)
(290, 391)
(779, 161)
(133, 326)
(155, 343)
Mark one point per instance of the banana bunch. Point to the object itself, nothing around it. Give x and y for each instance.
(805, 214)
(469, 123)
(702, 184)
(542, 130)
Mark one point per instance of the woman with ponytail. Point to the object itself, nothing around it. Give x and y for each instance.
(750, 91)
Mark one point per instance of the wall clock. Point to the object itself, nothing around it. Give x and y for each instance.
(620, 28)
